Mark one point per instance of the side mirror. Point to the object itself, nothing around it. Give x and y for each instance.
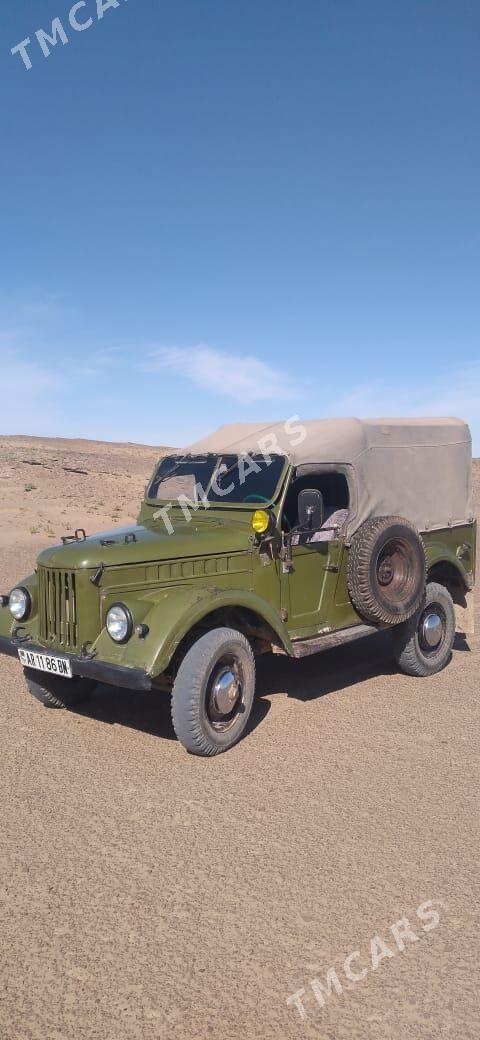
(310, 509)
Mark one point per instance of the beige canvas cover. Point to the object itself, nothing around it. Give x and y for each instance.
(419, 469)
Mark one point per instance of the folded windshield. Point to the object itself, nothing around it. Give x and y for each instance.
(252, 479)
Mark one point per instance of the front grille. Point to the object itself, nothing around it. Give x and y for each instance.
(58, 607)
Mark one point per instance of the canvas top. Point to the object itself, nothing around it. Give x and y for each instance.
(332, 440)
(416, 468)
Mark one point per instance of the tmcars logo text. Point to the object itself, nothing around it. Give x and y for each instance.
(360, 962)
(80, 17)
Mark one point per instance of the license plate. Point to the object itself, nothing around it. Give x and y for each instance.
(46, 663)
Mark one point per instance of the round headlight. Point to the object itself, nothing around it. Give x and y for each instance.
(19, 604)
(119, 623)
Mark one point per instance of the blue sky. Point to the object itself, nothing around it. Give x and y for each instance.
(216, 211)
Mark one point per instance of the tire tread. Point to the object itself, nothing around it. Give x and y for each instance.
(358, 571)
(406, 649)
(185, 709)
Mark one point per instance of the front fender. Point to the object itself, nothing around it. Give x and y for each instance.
(174, 611)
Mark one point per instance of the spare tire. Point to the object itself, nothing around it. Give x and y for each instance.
(387, 570)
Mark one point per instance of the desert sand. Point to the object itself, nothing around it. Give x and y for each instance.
(147, 894)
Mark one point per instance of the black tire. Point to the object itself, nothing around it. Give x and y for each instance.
(199, 700)
(54, 692)
(415, 644)
(386, 570)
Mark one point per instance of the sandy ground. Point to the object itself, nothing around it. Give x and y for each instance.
(147, 894)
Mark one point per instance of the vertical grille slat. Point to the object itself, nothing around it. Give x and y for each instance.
(58, 607)
(46, 594)
(53, 602)
(41, 602)
(63, 606)
(68, 634)
(44, 621)
(74, 610)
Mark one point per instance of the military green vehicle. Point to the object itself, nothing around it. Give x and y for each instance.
(285, 538)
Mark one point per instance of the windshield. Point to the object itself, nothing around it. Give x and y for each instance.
(208, 479)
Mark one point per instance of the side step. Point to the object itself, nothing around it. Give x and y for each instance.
(304, 647)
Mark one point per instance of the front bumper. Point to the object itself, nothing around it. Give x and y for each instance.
(85, 667)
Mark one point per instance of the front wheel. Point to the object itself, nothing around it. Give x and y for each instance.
(54, 692)
(423, 644)
(213, 692)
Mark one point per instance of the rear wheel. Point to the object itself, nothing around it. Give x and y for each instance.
(423, 644)
(213, 692)
(54, 692)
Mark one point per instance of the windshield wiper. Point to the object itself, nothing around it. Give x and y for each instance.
(185, 460)
(171, 471)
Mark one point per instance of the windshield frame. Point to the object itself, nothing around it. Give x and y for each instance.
(213, 504)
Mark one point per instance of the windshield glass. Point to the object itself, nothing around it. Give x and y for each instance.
(249, 479)
(179, 475)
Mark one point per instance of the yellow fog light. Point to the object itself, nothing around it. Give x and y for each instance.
(260, 521)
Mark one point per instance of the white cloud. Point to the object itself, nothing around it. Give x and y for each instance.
(48, 364)
(451, 392)
(244, 377)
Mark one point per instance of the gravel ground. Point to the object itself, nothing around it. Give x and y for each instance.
(147, 894)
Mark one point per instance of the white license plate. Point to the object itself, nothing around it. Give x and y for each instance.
(46, 663)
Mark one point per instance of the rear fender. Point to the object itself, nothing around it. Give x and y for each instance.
(456, 555)
(438, 552)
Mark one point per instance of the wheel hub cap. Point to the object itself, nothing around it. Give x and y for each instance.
(385, 571)
(432, 630)
(225, 692)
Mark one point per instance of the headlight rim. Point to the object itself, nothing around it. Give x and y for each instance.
(28, 603)
(129, 632)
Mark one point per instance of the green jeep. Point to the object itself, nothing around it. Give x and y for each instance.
(285, 538)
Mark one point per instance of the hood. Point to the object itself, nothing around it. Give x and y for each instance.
(142, 543)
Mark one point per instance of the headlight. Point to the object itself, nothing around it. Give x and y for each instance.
(19, 604)
(119, 623)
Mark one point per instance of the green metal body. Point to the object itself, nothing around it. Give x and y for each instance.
(173, 582)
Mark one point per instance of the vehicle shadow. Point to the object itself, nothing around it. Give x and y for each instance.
(328, 671)
(147, 712)
(308, 678)
(462, 643)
